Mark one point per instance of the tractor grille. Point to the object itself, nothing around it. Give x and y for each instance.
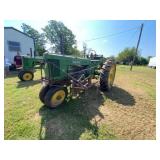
(53, 68)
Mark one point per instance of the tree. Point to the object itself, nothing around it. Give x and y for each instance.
(61, 38)
(127, 55)
(38, 38)
(143, 61)
(75, 52)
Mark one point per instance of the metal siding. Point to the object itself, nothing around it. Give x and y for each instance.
(25, 42)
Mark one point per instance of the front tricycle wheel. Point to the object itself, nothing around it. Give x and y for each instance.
(55, 96)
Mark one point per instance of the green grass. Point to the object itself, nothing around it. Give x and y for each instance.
(141, 77)
(27, 118)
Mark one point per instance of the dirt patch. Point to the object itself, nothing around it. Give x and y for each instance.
(129, 112)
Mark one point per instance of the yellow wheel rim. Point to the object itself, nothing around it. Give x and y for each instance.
(27, 76)
(57, 98)
(111, 75)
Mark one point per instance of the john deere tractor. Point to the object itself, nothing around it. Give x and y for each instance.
(63, 73)
(66, 73)
(28, 66)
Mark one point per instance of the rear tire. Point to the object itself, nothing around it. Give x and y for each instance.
(107, 75)
(55, 97)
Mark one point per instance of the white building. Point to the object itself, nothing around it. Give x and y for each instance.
(152, 62)
(17, 41)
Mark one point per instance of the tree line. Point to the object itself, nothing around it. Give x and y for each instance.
(129, 55)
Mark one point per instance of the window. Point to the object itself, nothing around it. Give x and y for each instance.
(14, 46)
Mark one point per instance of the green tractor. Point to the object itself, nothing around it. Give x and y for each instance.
(66, 73)
(29, 65)
(63, 73)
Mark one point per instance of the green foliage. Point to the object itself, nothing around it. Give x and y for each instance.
(75, 52)
(61, 38)
(127, 55)
(38, 38)
(143, 61)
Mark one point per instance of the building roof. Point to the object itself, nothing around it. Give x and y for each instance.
(19, 31)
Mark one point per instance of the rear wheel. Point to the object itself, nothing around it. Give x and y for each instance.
(26, 75)
(107, 75)
(55, 97)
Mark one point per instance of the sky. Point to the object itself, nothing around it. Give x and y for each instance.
(117, 34)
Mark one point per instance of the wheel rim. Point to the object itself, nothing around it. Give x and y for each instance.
(57, 98)
(27, 76)
(111, 76)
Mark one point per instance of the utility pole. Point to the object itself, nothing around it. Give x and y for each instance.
(140, 34)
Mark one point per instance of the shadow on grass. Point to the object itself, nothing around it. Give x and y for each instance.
(73, 119)
(22, 84)
(12, 74)
(120, 96)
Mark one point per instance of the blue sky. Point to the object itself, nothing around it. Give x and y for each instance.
(110, 45)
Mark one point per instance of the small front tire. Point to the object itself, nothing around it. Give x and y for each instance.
(55, 97)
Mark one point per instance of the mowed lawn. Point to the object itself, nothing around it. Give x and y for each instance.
(127, 112)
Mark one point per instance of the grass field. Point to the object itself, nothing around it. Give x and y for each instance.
(127, 112)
